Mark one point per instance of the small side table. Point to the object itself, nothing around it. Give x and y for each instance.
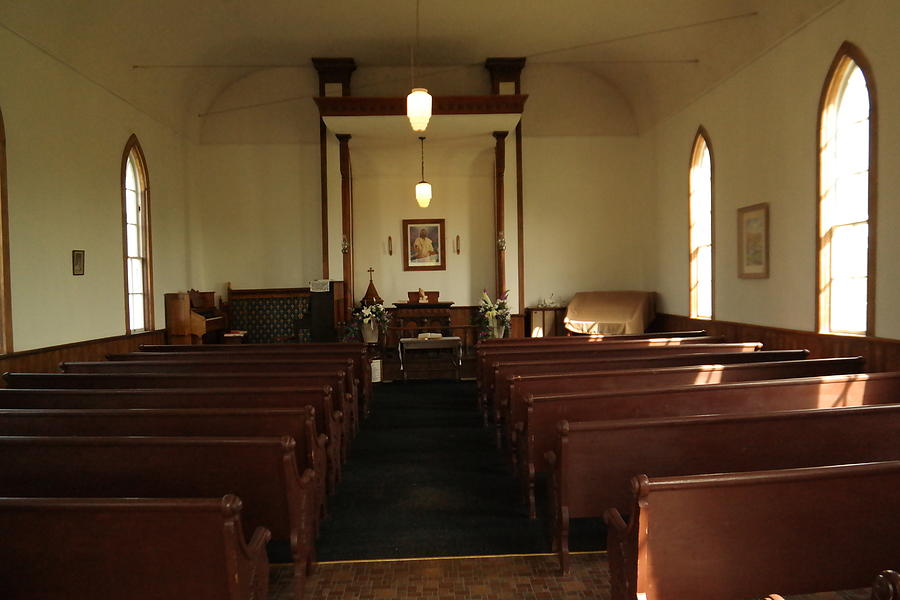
(545, 321)
(452, 343)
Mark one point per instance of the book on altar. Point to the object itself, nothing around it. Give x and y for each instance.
(430, 336)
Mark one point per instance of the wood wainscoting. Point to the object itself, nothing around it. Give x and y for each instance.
(46, 360)
(881, 354)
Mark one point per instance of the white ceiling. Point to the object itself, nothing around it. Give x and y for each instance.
(659, 53)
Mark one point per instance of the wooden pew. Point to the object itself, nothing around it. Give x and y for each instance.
(744, 535)
(484, 354)
(608, 351)
(262, 472)
(297, 423)
(595, 460)
(563, 383)
(135, 548)
(306, 374)
(357, 351)
(330, 418)
(588, 338)
(504, 371)
(539, 432)
(299, 364)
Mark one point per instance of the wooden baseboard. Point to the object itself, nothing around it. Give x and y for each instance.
(881, 354)
(46, 360)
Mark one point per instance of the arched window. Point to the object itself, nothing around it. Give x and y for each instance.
(700, 213)
(136, 239)
(6, 344)
(846, 197)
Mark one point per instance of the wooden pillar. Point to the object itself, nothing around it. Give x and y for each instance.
(346, 222)
(499, 215)
(331, 71)
(509, 71)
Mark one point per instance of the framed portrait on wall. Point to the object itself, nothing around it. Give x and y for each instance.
(423, 245)
(753, 241)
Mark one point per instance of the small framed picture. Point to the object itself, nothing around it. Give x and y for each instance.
(77, 262)
(753, 241)
(423, 245)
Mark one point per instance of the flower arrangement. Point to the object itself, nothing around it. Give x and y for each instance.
(373, 318)
(492, 318)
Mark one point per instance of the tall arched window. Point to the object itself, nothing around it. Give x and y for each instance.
(846, 197)
(700, 213)
(136, 238)
(6, 344)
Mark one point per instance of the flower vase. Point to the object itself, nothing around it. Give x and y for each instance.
(369, 332)
(497, 329)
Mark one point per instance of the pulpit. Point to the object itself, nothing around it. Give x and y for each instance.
(413, 318)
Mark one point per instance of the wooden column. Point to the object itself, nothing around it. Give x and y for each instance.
(346, 222)
(331, 70)
(509, 70)
(499, 215)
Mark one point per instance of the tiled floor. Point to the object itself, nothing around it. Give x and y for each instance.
(486, 578)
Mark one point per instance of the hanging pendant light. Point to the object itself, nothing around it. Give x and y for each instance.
(418, 102)
(423, 188)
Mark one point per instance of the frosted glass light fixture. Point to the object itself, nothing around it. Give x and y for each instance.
(418, 102)
(418, 108)
(423, 188)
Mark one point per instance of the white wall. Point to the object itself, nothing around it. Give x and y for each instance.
(65, 137)
(461, 174)
(762, 124)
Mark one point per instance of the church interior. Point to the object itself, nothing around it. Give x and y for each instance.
(419, 299)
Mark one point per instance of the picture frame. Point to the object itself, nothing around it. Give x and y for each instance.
(753, 241)
(429, 254)
(77, 262)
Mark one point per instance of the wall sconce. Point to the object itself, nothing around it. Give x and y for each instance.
(501, 242)
(457, 244)
(345, 245)
(390, 246)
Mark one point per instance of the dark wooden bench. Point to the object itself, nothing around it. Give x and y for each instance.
(297, 423)
(357, 351)
(135, 548)
(595, 460)
(577, 339)
(504, 371)
(336, 376)
(608, 351)
(321, 397)
(744, 535)
(299, 364)
(485, 354)
(262, 472)
(539, 431)
(563, 383)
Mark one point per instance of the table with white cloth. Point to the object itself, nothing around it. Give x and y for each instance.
(451, 343)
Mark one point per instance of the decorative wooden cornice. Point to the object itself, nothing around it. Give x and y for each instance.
(334, 70)
(441, 105)
(504, 69)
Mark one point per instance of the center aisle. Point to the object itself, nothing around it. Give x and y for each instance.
(424, 480)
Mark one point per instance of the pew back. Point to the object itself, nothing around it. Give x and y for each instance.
(504, 370)
(261, 471)
(191, 398)
(357, 351)
(539, 435)
(297, 423)
(767, 533)
(141, 549)
(560, 383)
(580, 339)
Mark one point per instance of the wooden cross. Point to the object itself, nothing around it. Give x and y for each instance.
(371, 270)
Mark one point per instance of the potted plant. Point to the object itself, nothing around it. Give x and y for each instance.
(370, 320)
(492, 318)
